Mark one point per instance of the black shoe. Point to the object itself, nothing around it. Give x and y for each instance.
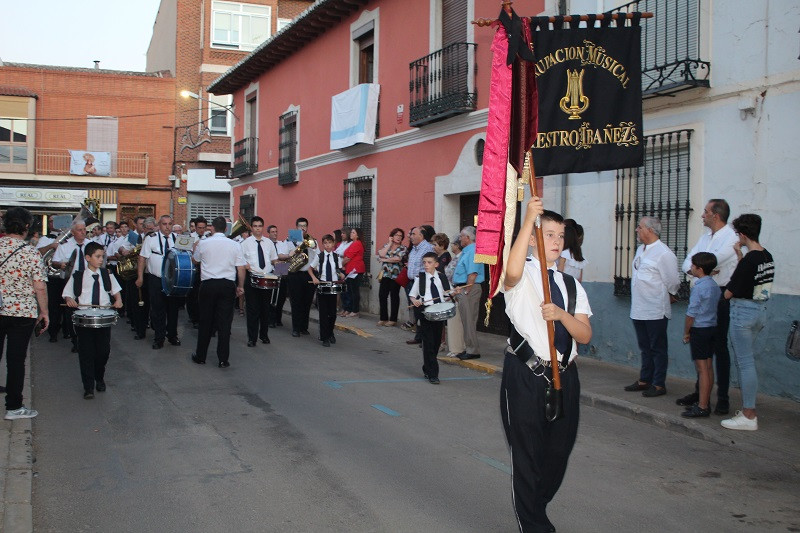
(2, 389)
(326, 344)
(688, 400)
(413, 341)
(332, 340)
(74, 349)
(198, 360)
(88, 394)
(250, 344)
(654, 391)
(175, 341)
(194, 325)
(295, 333)
(53, 339)
(467, 356)
(157, 345)
(696, 411)
(101, 386)
(265, 340)
(722, 407)
(434, 381)
(223, 364)
(637, 386)
(305, 332)
(68, 336)
(138, 337)
(280, 324)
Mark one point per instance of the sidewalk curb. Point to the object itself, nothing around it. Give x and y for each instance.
(472, 364)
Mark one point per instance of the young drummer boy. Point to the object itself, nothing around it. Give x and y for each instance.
(539, 448)
(429, 288)
(93, 286)
(699, 328)
(326, 266)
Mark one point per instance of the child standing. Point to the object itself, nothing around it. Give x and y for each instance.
(94, 344)
(429, 288)
(699, 328)
(326, 266)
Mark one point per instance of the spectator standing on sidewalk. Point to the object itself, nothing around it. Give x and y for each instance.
(24, 304)
(354, 267)
(391, 256)
(454, 329)
(467, 280)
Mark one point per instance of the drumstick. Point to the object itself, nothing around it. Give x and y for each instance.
(437, 298)
(141, 300)
(86, 306)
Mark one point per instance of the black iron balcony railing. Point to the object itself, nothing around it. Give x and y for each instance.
(245, 160)
(443, 84)
(670, 46)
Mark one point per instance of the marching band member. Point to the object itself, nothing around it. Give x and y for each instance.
(113, 256)
(109, 236)
(259, 253)
(301, 292)
(326, 266)
(74, 247)
(282, 253)
(163, 308)
(221, 261)
(430, 287)
(94, 344)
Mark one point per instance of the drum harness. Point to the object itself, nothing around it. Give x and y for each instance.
(422, 285)
(523, 350)
(77, 282)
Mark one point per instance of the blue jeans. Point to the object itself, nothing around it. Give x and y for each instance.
(652, 338)
(747, 320)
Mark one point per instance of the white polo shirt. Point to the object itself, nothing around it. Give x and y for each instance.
(218, 257)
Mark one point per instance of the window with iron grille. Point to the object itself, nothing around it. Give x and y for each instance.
(287, 148)
(659, 189)
(357, 212)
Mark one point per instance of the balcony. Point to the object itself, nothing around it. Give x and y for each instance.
(671, 49)
(128, 165)
(245, 157)
(443, 84)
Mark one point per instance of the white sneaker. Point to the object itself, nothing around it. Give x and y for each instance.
(22, 412)
(740, 422)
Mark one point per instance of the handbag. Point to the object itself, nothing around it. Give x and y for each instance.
(793, 342)
(21, 246)
(402, 277)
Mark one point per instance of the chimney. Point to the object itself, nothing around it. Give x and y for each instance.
(97, 64)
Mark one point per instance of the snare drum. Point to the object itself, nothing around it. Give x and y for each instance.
(330, 287)
(265, 282)
(177, 273)
(94, 318)
(440, 312)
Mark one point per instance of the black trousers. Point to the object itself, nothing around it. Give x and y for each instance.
(163, 310)
(55, 286)
(17, 330)
(326, 303)
(215, 298)
(353, 305)
(94, 347)
(301, 295)
(389, 290)
(431, 332)
(191, 299)
(141, 314)
(539, 449)
(123, 291)
(276, 311)
(257, 305)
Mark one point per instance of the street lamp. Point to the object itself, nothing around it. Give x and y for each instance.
(189, 94)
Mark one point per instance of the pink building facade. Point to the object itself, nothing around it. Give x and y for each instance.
(432, 67)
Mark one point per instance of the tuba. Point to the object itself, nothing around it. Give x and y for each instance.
(300, 257)
(239, 227)
(128, 265)
(89, 209)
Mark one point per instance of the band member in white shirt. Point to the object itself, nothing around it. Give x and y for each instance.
(73, 248)
(326, 266)
(282, 249)
(221, 263)
(259, 252)
(163, 308)
(301, 292)
(108, 236)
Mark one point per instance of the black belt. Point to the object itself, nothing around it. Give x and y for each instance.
(459, 284)
(520, 347)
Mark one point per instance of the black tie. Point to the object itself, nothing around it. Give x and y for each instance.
(96, 290)
(262, 262)
(328, 268)
(81, 262)
(434, 291)
(166, 244)
(563, 341)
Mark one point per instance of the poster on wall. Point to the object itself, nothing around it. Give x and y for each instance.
(83, 163)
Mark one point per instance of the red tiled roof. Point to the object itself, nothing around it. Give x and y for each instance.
(12, 90)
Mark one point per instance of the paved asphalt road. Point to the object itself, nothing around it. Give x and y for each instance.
(296, 437)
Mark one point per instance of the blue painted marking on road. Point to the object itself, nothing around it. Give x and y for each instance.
(494, 463)
(338, 384)
(385, 409)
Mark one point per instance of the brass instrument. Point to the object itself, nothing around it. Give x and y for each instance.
(299, 257)
(90, 207)
(128, 265)
(239, 227)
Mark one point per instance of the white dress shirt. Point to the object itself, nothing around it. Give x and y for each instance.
(523, 307)
(720, 243)
(218, 257)
(655, 277)
(154, 248)
(88, 284)
(429, 278)
(319, 262)
(250, 252)
(64, 252)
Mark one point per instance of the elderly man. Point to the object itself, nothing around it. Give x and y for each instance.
(420, 245)
(70, 251)
(467, 279)
(654, 284)
(718, 240)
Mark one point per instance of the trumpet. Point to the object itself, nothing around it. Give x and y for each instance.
(299, 259)
(240, 227)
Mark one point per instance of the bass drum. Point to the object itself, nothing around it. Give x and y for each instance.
(177, 273)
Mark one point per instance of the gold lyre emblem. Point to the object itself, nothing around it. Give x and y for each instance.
(574, 102)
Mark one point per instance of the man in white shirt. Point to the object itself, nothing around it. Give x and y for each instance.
(282, 249)
(222, 263)
(654, 284)
(163, 308)
(259, 252)
(301, 292)
(72, 249)
(108, 236)
(540, 447)
(200, 225)
(55, 285)
(719, 240)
